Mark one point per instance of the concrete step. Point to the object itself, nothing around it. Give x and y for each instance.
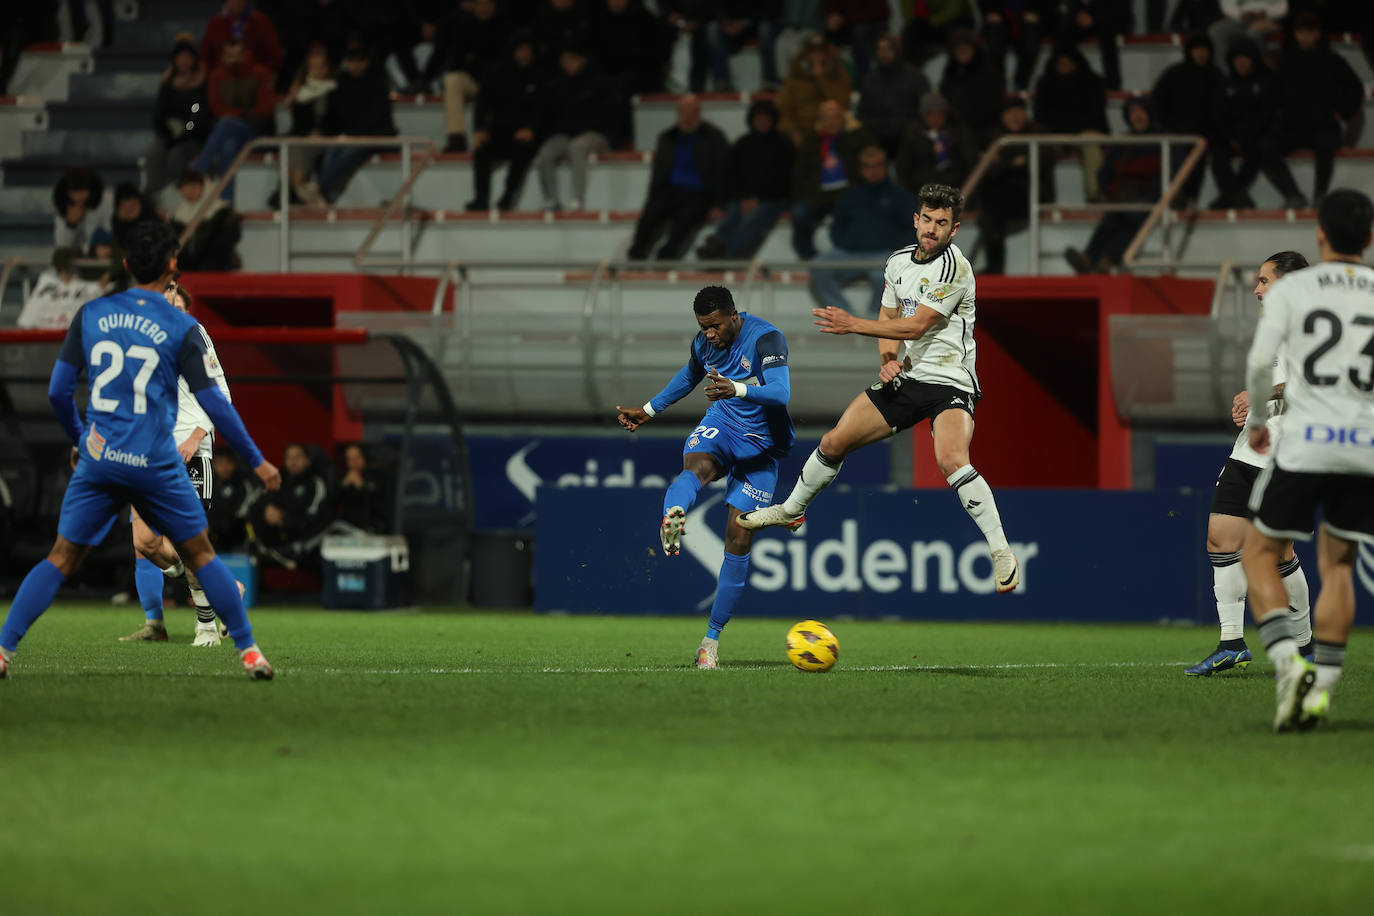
(85, 87)
(135, 60)
(44, 171)
(112, 115)
(87, 144)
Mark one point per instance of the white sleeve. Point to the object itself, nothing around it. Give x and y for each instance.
(890, 300)
(1259, 365)
(945, 297)
(212, 364)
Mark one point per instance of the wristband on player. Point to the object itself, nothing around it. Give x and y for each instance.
(740, 389)
(649, 409)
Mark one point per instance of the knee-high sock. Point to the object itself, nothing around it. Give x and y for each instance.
(1228, 584)
(976, 496)
(223, 593)
(733, 573)
(34, 597)
(815, 476)
(1330, 658)
(1299, 606)
(682, 491)
(148, 580)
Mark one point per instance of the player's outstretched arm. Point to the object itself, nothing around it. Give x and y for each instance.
(832, 320)
(681, 385)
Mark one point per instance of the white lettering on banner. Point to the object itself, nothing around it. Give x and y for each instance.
(526, 481)
(836, 565)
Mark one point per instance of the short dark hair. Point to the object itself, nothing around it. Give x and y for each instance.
(714, 299)
(1346, 217)
(942, 197)
(152, 244)
(1285, 262)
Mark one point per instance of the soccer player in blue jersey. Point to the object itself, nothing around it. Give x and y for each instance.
(745, 430)
(133, 345)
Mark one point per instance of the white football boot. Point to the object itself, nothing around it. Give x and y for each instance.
(207, 634)
(706, 654)
(1290, 688)
(670, 532)
(1006, 570)
(773, 516)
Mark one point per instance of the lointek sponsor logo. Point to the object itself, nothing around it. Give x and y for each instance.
(126, 458)
(1321, 434)
(883, 566)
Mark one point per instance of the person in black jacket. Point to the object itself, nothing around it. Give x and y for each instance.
(974, 86)
(475, 42)
(362, 500)
(359, 106)
(758, 183)
(287, 522)
(1183, 97)
(1129, 174)
(236, 490)
(509, 109)
(1242, 111)
(1004, 192)
(1071, 99)
(632, 45)
(131, 207)
(181, 117)
(891, 94)
(1316, 90)
(687, 182)
(935, 150)
(585, 112)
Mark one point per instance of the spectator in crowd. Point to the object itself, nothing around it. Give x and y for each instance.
(309, 101)
(1183, 97)
(798, 21)
(130, 209)
(509, 110)
(239, 21)
(584, 113)
(302, 24)
(858, 24)
(359, 106)
(362, 499)
(416, 64)
(632, 45)
(739, 22)
(974, 86)
(758, 183)
(827, 164)
(1355, 16)
(1193, 16)
(817, 74)
(1316, 90)
(686, 183)
(110, 273)
(935, 149)
(22, 23)
(81, 22)
(1071, 99)
(560, 23)
(287, 523)
(1240, 116)
(1013, 26)
(1258, 20)
(690, 18)
(57, 293)
(181, 117)
(476, 40)
(79, 201)
(1004, 192)
(891, 94)
(212, 244)
(241, 99)
(236, 492)
(1105, 20)
(1129, 174)
(924, 36)
(873, 218)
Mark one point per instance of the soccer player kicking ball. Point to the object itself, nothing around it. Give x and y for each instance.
(1324, 458)
(132, 346)
(1230, 512)
(743, 433)
(928, 301)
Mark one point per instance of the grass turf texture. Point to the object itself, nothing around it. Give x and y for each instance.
(430, 763)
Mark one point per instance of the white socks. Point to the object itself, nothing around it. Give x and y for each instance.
(815, 476)
(1228, 584)
(1295, 583)
(976, 496)
(1276, 634)
(175, 571)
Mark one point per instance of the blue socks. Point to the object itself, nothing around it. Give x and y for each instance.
(219, 586)
(682, 492)
(149, 581)
(733, 573)
(33, 598)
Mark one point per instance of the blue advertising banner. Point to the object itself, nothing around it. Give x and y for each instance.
(882, 552)
(506, 470)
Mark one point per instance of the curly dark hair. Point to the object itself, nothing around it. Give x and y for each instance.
(714, 299)
(942, 197)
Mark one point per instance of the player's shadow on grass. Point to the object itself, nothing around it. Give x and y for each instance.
(963, 671)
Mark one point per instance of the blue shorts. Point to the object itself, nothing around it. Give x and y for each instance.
(751, 472)
(164, 497)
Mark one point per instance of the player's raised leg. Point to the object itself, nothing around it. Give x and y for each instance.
(861, 424)
(698, 469)
(1335, 614)
(953, 431)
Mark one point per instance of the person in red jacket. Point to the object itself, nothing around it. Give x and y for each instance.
(254, 29)
(241, 99)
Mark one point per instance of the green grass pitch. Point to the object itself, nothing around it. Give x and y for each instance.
(486, 763)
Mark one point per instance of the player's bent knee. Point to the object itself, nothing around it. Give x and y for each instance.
(67, 556)
(196, 551)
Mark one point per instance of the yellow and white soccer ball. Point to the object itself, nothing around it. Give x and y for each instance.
(812, 647)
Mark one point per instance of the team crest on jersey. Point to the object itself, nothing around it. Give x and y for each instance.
(95, 444)
(922, 286)
(693, 442)
(744, 361)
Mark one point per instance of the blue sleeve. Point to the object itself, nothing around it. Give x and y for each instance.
(73, 350)
(61, 389)
(687, 378)
(191, 365)
(771, 352)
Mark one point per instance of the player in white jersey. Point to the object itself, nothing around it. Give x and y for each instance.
(1325, 456)
(157, 558)
(928, 303)
(1230, 512)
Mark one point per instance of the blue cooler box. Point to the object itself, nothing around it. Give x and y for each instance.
(244, 568)
(365, 571)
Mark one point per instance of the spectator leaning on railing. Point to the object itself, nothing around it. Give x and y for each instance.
(181, 117)
(686, 183)
(758, 183)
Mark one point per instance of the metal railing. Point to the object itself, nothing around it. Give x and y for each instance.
(1037, 207)
(407, 144)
